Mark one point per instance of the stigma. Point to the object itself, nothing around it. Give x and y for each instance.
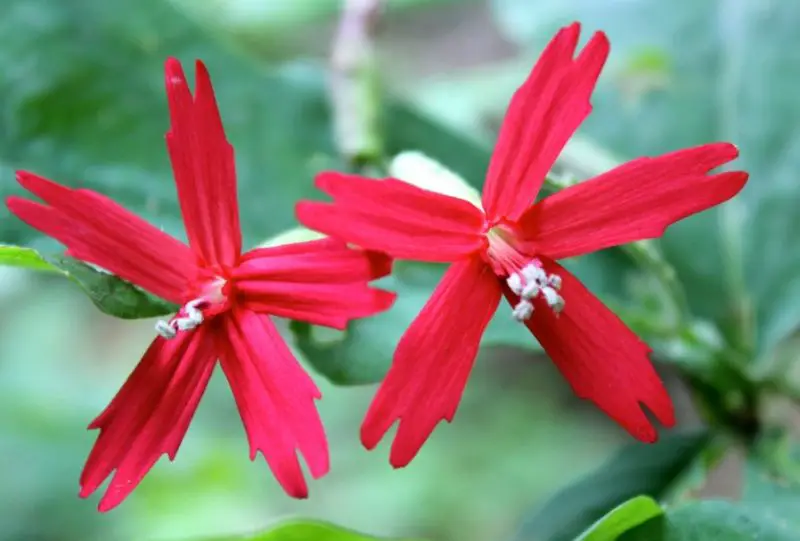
(532, 282)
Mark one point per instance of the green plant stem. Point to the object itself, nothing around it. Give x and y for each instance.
(355, 84)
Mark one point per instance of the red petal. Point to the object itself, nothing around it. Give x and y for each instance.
(543, 114)
(635, 201)
(98, 230)
(433, 360)
(149, 416)
(275, 399)
(394, 217)
(322, 282)
(602, 359)
(204, 168)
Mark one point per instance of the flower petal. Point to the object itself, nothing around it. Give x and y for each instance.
(97, 230)
(603, 360)
(322, 282)
(150, 414)
(543, 114)
(394, 217)
(635, 201)
(275, 398)
(204, 168)
(433, 360)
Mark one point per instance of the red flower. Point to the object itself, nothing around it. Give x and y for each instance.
(510, 249)
(226, 297)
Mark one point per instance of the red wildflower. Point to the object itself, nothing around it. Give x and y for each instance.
(510, 249)
(226, 297)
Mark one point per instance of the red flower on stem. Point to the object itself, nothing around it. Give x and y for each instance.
(226, 298)
(510, 247)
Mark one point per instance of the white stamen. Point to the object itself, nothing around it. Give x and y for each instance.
(515, 283)
(531, 290)
(553, 299)
(164, 329)
(531, 282)
(534, 273)
(523, 311)
(193, 318)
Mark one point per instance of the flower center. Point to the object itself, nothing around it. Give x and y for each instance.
(524, 274)
(214, 298)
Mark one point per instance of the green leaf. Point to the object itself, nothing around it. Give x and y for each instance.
(638, 469)
(26, 258)
(109, 293)
(713, 521)
(772, 478)
(622, 518)
(302, 530)
(658, 94)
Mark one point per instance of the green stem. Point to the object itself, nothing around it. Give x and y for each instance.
(355, 84)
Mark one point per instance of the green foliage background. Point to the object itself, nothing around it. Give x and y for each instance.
(82, 102)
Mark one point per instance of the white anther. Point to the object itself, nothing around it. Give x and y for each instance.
(514, 282)
(530, 291)
(534, 273)
(193, 318)
(553, 299)
(531, 282)
(165, 329)
(523, 310)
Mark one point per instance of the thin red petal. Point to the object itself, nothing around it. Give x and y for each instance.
(635, 201)
(322, 282)
(603, 360)
(543, 114)
(149, 416)
(433, 360)
(204, 167)
(394, 217)
(98, 230)
(275, 398)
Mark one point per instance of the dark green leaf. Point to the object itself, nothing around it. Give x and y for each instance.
(638, 469)
(305, 531)
(109, 293)
(622, 518)
(714, 521)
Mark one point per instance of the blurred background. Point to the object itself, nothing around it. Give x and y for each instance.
(82, 102)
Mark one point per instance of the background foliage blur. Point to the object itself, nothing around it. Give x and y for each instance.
(82, 101)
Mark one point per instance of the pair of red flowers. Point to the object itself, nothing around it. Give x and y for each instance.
(507, 249)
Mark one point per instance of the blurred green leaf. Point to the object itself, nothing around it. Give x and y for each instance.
(739, 262)
(772, 478)
(638, 469)
(109, 293)
(713, 521)
(298, 530)
(26, 258)
(622, 518)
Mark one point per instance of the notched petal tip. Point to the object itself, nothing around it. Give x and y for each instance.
(173, 73)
